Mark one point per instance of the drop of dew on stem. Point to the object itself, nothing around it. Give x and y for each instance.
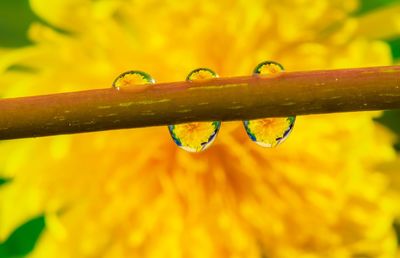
(196, 136)
(131, 78)
(269, 132)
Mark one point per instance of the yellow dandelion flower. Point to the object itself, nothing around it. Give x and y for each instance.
(133, 193)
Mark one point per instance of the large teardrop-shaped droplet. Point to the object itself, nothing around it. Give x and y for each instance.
(269, 132)
(196, 136)
(131, 78)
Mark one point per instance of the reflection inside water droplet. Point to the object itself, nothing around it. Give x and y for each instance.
(201, 74)
(131, 78)
(196, 136)
(268, 68)
(269, 132)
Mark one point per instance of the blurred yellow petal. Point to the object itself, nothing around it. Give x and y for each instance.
(66, 14)
(383, 23)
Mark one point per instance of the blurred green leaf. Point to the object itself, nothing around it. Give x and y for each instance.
(15, 18)
(370, 5)
(391, 119)
(21, 68)
(4, 180)
(396, 227)
(395, 47)
(23, 239)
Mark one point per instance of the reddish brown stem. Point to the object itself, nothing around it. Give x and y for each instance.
(223, 99)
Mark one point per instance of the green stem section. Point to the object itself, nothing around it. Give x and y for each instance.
(221, 99)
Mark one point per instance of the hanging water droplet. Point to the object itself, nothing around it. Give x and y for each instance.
(196, 136)
(269, 132)
(131, 78)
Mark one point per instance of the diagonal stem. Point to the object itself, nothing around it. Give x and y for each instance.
(223, 99)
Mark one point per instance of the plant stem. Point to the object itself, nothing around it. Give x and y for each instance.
(222, 99)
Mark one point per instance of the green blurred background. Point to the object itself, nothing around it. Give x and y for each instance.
(15, 19)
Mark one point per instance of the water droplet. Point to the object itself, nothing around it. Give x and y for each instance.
(269, 132)
(201, 74)
(131, 78)
(268, 68)
(196, 136)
